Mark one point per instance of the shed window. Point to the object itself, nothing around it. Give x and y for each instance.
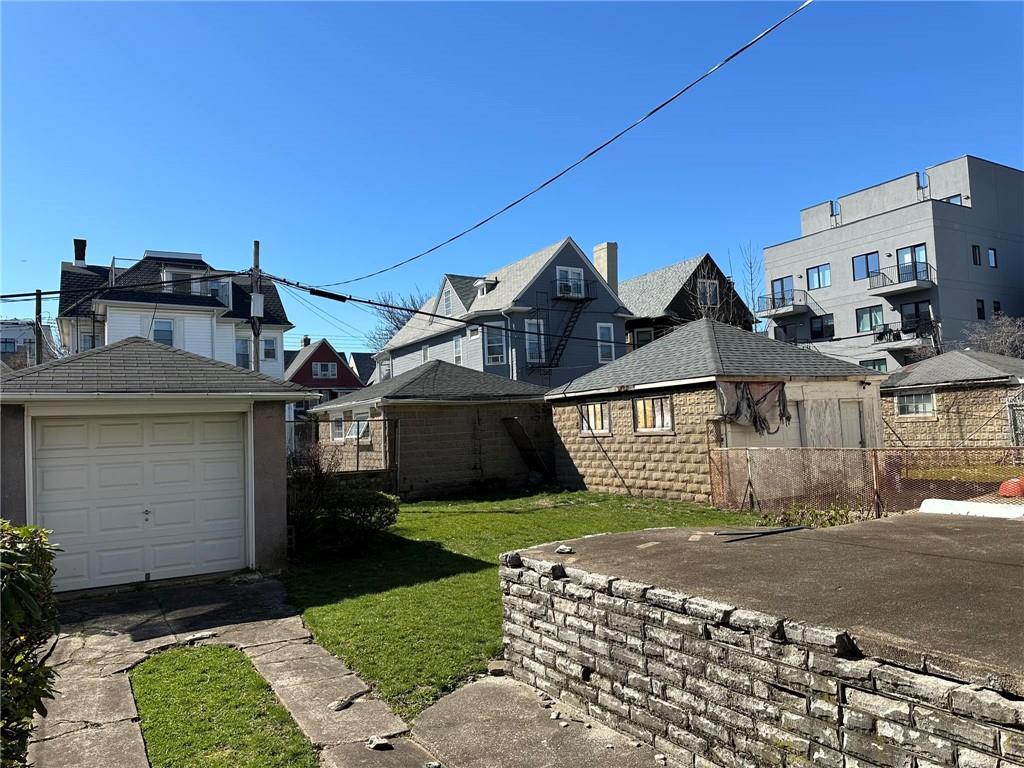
(337, 429)
(915, 404)
(596, 417)
(652, 413)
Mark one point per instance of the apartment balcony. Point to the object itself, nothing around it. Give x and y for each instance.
(784, 304)
(572, 289)
(907, 334)
(901, 278)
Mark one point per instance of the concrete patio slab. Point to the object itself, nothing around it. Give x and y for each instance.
(115, 744)
(404, 753)
(501, 723)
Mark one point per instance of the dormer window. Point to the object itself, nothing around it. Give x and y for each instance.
(220, 290)
(180, 282)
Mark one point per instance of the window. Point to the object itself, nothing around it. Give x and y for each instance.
(595, 417)
(385, 369)
(784, 333)
(642, 336)
(242, 359)
(652, 413)
(912, 263)
(992, 260)
(953, 199)
(782, 291)
(534, 340)
(270, 349)
(980, 307)
(819, 276)
(494, 344)
(325, 370)
(424, 353)
(822, 327)
(914, 313)
(569, 281)
(997, 307)
(869, 318)
(865, 265)
(878, 364)
(976, 255)
(457, 350)
(337, 429)
(181, 282)
(707, 293)
(86, 341)
(163, 332)
(474, 332)
(446, 301)
(358, 427)
(8, 345)
(915, 404)
(605, 343)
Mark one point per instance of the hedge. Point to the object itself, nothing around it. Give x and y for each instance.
(28, 619)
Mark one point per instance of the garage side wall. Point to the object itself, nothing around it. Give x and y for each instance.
(975, 417)
(670, 465)
(12, 465)
(270, 483)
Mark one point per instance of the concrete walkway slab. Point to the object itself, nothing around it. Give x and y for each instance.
(115, 744)
(501, 723)
(85, 702)
(291, 665)
(405, 753)
(365, 717)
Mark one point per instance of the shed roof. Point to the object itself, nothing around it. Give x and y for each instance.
(956, 367)
(138, 366)
(438, 381)
(709, 349)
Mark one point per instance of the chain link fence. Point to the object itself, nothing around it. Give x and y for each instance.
(868, 482)
(363, 445)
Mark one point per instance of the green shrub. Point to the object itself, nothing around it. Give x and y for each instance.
(28, 618)
(338, 519)
(809, 516)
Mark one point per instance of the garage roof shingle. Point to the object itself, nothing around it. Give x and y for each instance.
(956, 367)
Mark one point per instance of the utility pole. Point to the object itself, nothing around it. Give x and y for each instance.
(256, 305)
(39, 326)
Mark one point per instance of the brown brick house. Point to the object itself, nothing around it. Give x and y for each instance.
(442, 428)
(644, 423)
(957, 399)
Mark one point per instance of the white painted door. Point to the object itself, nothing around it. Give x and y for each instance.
(136, 498)
(850, 424)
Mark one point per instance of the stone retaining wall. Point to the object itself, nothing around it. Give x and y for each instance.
(710, 684)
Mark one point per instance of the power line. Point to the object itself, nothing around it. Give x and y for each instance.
(29, 295)
(551, 180)
(323, 315)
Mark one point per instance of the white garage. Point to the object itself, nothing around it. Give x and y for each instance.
(187, 477)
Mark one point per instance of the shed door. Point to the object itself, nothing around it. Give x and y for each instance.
(850, 423)
(136, 498)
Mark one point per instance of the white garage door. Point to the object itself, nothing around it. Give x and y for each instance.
(135, 498)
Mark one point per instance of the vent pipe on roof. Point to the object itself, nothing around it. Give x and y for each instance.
(79, 252)
(606, 260)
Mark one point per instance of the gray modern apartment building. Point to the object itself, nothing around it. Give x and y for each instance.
(883, 275)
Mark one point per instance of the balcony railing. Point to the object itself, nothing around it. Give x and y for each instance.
(572, 289)
(782, 300)
(902, 273)
(905, 330)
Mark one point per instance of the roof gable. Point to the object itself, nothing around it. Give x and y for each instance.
(137, 366)
(710, 349)
(958, 366)
(650, 294)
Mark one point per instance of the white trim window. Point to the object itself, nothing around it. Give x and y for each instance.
(424, 353)
(358, 428)
(243, 357)
(270, 348)
(457, 350)
(86, 341)
(337, 429)
(595, 418)
(163, 332)
(494, 345)
(915, 403)
(605, 343)
(446, 301)
(569, 281)
(385, 369)
(642, 336)
(652, 414)
(325, 370)
(534, 340)
(707, 293)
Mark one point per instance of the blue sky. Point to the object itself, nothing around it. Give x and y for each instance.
(345, 136)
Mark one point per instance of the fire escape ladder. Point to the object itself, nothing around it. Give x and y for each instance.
(567, 329)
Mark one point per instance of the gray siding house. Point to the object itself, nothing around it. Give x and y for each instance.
(545, 319)
(896, 271)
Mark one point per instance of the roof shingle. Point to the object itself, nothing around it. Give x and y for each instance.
(958, 366)
(650, 294)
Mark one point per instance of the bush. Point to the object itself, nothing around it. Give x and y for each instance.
(809, 516)
(332, 518)
(28, 618)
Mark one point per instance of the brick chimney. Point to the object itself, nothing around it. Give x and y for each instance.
(305, 341)
(606, 260)
(79, 252)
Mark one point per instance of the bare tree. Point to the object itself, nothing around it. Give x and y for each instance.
(751, 286)
(390, 319)
(1001, 335)
(728, 302)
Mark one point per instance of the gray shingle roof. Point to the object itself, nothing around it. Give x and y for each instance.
(959, 366)
(139, 366)
(649, 295)
(441, 381)
(364, 364)
(705, 348)
(464, 288)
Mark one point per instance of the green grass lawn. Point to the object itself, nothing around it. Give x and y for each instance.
(421, 613)
(208, 707)
(993, 473)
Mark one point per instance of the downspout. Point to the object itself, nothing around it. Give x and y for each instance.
(508, 343)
